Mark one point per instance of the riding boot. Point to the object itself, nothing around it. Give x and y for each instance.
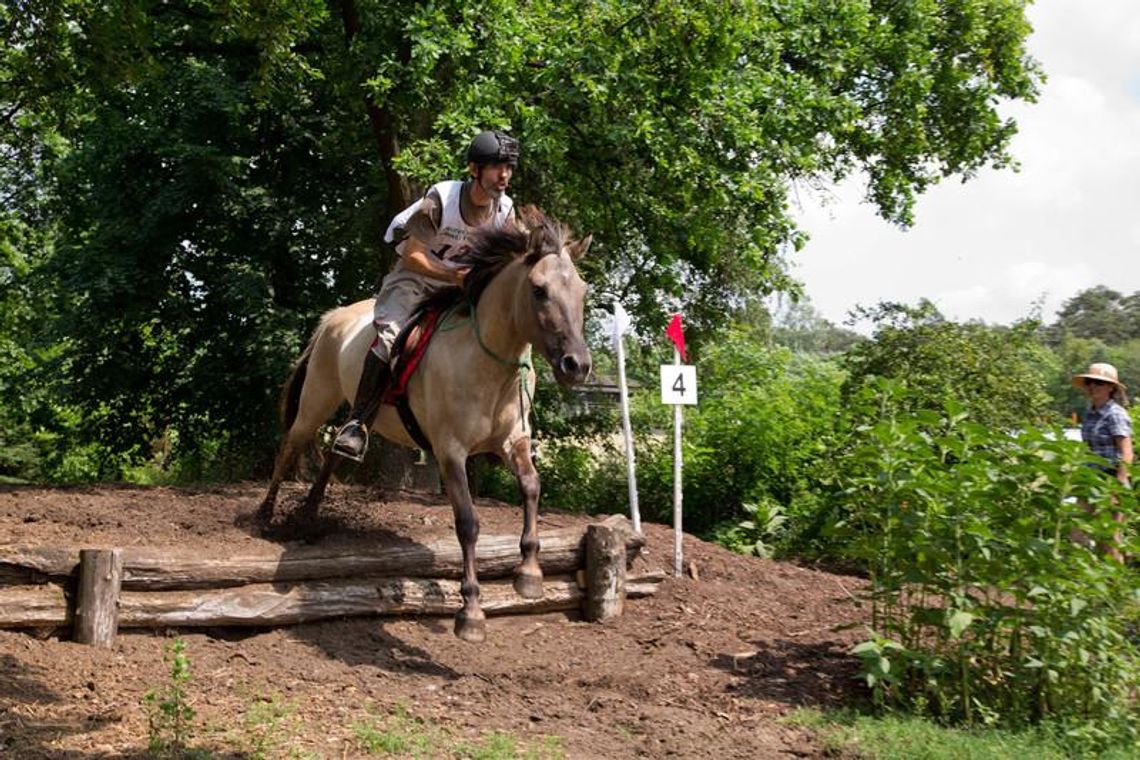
(352, 438)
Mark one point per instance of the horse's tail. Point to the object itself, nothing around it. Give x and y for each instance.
(290, 400)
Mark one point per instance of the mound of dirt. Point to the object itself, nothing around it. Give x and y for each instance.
(704, 668)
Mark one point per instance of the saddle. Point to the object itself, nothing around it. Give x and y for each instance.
(407, 353)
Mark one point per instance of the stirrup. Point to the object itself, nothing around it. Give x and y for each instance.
(347, 437)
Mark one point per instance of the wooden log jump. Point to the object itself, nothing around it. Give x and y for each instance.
(97, 601)
(145, 588)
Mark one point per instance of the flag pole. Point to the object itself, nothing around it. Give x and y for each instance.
(677, 493)
(626, 428)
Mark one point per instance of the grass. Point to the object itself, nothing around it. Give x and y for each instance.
(898, 737)
(398, 733)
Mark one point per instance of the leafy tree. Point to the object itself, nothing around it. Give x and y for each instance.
(216, 173)
(998, 374)
(1100, 313)
(800, 327)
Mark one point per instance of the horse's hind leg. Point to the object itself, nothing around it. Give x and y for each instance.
(528, 575)
(470, 622)
(286, 454)
(319, 397)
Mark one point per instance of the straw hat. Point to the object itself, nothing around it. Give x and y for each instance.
(1099, 371)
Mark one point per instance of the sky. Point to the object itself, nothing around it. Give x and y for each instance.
(995, 246)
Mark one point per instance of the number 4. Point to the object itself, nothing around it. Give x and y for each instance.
(679, 384)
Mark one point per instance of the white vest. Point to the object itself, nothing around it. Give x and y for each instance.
(453, 231)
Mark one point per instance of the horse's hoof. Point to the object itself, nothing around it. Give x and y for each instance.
(471, 628)
(312, 531)
(253, 521)
(528, 585)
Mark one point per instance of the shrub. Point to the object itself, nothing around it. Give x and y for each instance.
(765, 419)
(983, 608)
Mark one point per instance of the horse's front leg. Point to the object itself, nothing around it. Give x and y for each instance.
(470, 622)
(528, 575)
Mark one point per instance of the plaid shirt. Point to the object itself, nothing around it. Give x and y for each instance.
(1101, 427)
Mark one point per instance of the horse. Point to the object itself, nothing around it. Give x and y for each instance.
(470, 393)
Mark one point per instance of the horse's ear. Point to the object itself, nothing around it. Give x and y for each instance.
(530, 217)
(534, 246)
(578, 249)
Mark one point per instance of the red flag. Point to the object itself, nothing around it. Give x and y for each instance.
(677, 335)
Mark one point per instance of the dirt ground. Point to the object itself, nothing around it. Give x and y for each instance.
(707, 667)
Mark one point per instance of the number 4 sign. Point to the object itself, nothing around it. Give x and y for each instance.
(678, 384)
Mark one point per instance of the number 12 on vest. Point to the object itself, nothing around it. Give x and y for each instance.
(678, 384)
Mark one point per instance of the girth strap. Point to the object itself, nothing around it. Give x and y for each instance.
(411, 424)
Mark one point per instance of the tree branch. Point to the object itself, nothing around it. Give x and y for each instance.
(380, 119)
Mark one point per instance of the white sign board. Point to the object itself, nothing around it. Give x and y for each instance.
(678, 384)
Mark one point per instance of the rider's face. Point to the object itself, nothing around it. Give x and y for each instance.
(494, 179)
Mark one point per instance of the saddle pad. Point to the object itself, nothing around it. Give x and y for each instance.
(411, 351)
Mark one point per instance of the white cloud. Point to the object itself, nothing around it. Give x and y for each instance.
(992, 247)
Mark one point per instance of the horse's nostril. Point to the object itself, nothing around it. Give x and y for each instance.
(575, 367)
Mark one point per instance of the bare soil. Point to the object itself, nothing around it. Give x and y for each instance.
(705, 668)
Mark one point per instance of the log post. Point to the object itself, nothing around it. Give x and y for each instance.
(97, 600)
(605, 572)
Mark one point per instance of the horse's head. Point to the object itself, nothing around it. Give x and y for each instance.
(557, 297)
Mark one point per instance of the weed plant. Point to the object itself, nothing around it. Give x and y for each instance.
(170, 717)
(984, 610)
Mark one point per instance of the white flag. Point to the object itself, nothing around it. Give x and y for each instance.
(621, 321)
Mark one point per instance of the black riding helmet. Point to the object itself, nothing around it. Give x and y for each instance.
(493, 148)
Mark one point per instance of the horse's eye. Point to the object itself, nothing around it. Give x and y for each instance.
(539, 293)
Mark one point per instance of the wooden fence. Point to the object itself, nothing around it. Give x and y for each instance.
(97, 590)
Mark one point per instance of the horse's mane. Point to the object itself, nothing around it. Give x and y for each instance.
(492, 249)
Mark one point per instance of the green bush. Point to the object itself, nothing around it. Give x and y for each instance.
(983, 607)
(759, 435)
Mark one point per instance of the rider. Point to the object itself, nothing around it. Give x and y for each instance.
(429, 235)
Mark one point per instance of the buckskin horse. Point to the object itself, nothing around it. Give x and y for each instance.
(470, 394)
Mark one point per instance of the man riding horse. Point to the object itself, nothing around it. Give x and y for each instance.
(429, 236)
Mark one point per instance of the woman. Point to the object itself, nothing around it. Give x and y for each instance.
(1107, 428)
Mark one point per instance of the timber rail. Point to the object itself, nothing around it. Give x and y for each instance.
(94, 591)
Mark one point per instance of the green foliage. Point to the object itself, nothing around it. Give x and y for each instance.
(757, 534)
(578, 474)
(170, 718)
(193, 185)
(1098, 312)
(800, 327)
(764, 421)
(998, 374)
(269, 726)
(984, 609)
